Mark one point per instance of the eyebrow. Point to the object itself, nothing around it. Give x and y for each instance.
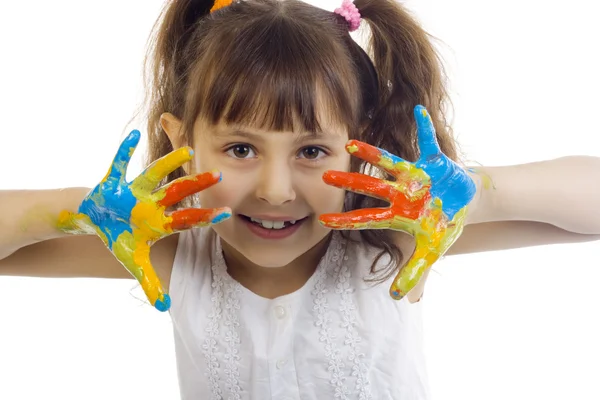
(299, 137)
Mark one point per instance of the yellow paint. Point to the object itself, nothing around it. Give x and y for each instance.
(134, 254)
(107, 175)
(149, 221)
(76, 223)
(352, 149)
(123, 249)
(486, 179)
(435, 238)
(487, 182)
(151, 177)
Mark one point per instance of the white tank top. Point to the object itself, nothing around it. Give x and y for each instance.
(336, 337)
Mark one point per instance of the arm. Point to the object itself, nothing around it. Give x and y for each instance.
(31, 216)
(434, 198)
(32, 245)
(534, 204)
(540, 203)
(129, 217)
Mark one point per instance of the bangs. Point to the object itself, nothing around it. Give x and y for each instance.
(278, 75)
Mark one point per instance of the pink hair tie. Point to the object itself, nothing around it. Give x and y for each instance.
(349, 11)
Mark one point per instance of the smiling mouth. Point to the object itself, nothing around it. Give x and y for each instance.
(273, 225)
(271, 230)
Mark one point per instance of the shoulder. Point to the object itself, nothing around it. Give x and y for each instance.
(180, 250)
(162, 254)
(362, 255)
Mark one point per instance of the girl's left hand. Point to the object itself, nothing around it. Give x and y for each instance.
(428, 200)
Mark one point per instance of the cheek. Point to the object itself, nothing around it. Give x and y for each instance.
(222, 193)
(321, 196)
(328, 199)
(228, 192)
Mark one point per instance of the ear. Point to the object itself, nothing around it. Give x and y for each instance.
(173, 127)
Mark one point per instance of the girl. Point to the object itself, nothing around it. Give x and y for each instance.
(268, 93)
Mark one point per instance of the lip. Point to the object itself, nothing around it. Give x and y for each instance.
(272, 234)
(266, 217)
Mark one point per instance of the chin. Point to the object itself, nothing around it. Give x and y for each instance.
(270, 260)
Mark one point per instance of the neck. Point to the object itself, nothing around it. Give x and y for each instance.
(274, 282)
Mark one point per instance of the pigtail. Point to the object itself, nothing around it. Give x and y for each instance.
(165, 66)
(410, 72)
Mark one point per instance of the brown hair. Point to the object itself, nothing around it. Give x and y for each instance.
(262, 62)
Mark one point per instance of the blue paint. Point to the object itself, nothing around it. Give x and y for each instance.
(109, 205)
(121, 160)
(394, 158)
(220, 217)
(163, 306)
(449, 182)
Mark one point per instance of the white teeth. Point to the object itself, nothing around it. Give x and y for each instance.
(267, 224)
(277, 224)
(270, 224)
(293, 221)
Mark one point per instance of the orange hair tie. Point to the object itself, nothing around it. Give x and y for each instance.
(220, 4)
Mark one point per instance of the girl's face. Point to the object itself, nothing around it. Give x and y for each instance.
(272, 181)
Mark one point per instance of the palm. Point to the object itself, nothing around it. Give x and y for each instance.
(428, 200)
(131, 216)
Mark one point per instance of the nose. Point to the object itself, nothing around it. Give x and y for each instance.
(276, 185)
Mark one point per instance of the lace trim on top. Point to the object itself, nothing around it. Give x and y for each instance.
(225, 306)
(323, 322)
(352, 338)
(225, 313)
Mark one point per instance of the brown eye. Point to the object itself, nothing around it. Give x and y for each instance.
(240, 151)
(311, 153)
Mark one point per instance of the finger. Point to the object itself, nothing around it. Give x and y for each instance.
(151, 284)
(135, 257)
(366, 218)
(197, 217)
(428, 145)
(180, 188)
(361, 183)
(389, 162)
(410, 275)
(162, 167)
(118, 168)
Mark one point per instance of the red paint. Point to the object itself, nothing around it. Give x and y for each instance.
(190, 217)
(360, 183)
(265, 233)
(370, 154)
(357, 218)
(400, 204)
(181, 188)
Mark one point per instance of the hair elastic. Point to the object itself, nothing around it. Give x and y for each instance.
(220, 4)
(350, 12)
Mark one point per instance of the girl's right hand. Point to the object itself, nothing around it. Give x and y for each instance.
(131, 216)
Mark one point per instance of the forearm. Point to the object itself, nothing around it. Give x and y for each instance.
(564, 192)
(31, 216)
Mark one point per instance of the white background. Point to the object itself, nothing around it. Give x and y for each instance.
(519, 324)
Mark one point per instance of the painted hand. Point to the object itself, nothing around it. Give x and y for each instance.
(428, 200)
(130, 216)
